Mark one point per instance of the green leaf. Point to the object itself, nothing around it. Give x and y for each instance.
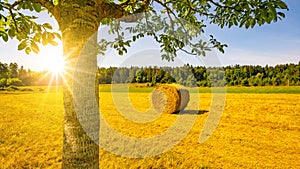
(252, 22)
(34, 47)
(57, 35)
(247, 24)
(264, 14)
(53, 43)
(4, 36)
(12, 32)
(50, 36)
(281, 4)
(56, 2)
(242, 23)
(28, 5)
(27, 50)
(47, 25)
(120, 52)
(22, 45)
(272, 11)
(37, 7)
(44, 38)
(281, 14)
(37, 37)
(221, 50)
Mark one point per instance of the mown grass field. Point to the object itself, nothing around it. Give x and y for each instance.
(260, 128)
(257, 90)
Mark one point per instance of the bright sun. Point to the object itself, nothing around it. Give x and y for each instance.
(52, 59)
(51, 62)
(56, 65)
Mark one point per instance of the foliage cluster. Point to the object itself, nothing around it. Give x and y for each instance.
(9, 75)
(183, 21)
(279, 75)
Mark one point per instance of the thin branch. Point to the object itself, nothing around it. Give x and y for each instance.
(112, 10)
(15, 4)
(226, 6)
(10, 8)
(14, 20)
(200, 12)
(131, 17)
(166, 6)
(187, 52)
(216, 4)
(147, 22)
(171, 20)
(169, 10)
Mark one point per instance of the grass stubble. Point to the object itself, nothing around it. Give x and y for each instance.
(256, 131)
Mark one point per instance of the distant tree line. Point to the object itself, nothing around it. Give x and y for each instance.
(188, 75)
(248, 75)
(184, 75)
(279, 75)
(13, 75)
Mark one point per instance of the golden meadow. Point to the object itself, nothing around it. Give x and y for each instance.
(260, 128)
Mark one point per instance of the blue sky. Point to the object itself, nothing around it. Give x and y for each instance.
(272, 44)
(277, 43)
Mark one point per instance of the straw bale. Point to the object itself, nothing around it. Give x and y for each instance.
(170, 98)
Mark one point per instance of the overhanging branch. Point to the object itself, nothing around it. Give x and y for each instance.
(15, 4)
(117, 11)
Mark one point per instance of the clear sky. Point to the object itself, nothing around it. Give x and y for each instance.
(272, 44)
(277, 43)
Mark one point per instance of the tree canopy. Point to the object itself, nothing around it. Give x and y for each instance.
(170, 33)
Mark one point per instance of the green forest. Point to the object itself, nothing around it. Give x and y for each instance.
(247, 75)
(188, 75)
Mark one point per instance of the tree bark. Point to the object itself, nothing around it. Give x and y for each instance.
(79, 28)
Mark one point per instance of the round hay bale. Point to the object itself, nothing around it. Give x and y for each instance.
(170, 98)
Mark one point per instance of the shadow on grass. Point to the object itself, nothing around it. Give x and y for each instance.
(198, 112)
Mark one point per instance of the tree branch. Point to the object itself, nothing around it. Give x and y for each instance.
(166, 6)
(187, 52)
(111, 10)
(117, 11)
(226, 6)
(15, 4)
(198, 11)
(14, 20)
(170, 11)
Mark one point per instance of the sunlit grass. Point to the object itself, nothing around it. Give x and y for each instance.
(30, 130)
(256, 131)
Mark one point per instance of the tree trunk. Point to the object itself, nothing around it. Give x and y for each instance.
(80, 92)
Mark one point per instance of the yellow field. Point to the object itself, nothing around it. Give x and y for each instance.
(256, 131)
